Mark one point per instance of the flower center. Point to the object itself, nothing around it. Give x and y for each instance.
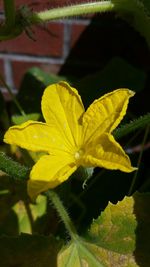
(78, 154)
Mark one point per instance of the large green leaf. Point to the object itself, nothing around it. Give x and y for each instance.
(8, 197)
(118, 73)
(114, 229)
(9, 224)
(31, 89)
(146, 4)
(136, 13)
(122, 232)
(26, 250)
(79, 254)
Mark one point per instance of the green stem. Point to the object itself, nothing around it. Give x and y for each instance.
(73, 10)
(10, 13)
(12, 95)
(132, 126)
(29, 213)
(62, 213)
(139, 161)
(13, 168)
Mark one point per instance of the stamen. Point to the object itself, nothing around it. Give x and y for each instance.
(78, 154)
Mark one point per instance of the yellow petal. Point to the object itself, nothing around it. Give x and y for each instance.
(62, 108)
(105, 113)
(35, 136)
(107, 153)
(49, 172)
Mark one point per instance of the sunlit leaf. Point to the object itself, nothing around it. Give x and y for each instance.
(78, 254)
(114, 229)
(44, 77)
(122, 233)
(18, 119)
(37, 211)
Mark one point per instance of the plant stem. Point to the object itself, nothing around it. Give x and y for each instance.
(29, 213)
(13, 168)
(139, 123)
(9, 7)
(73, 10)
(12, 95)
(62, 213)
(139, 161)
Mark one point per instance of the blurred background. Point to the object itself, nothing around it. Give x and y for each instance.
(77, 47)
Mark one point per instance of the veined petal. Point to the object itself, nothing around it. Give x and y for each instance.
(105, 113)
(62, 108)
(107, 153)
(35, 136)
(49, 172)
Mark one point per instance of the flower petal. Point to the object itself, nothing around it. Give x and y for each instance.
(35, 136)
(49, 172)
(107, 153)
(105, 113)
(62, 108)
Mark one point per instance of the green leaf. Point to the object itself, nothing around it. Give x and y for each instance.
(136, 13)
(78, 254)
(9, 224)
(27, 250)
(117, 74)
(18, 119)
(8, 218)
(122, 232)
(33, 84)
(37, 211)
(45, 78)
(146, 4)
(114, 229)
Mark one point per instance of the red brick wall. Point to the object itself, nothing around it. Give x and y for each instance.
(50, 49)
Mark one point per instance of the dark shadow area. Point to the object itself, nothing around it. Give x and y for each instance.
(142, 213)
(109, 36)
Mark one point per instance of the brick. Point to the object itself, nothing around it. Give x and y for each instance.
(49, 42)
(20, 68)
(2, 72)
(76, 32)
(1, 66)
(60, 3)
(6, 95)
(37, 5)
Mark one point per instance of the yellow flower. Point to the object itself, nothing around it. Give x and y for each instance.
(72, 137)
